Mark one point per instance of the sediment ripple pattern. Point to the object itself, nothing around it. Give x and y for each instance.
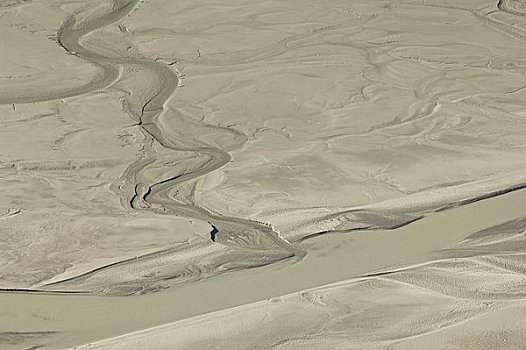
(237, 243)
(336, 123)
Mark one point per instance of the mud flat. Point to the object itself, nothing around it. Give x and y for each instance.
(236, 152)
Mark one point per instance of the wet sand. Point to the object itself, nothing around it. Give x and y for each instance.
(232, 153)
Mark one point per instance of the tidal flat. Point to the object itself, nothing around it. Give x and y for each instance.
(262, 174)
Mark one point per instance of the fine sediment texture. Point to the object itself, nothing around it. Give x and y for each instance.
(243, 243)
(155, 144)
(473, 302)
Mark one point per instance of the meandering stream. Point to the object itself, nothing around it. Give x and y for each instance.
(68, 320)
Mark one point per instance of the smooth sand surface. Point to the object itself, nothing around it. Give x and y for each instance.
(174, 148)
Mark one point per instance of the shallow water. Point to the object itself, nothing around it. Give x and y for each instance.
(81, 319)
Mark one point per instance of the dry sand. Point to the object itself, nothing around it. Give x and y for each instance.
(152, 144)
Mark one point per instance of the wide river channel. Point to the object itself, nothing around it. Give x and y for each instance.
(79, 319)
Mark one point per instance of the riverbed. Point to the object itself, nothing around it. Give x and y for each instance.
(77, 319)
(173, 164)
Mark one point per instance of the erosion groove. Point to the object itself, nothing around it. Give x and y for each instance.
(163, 143)
(234, 235)
(173, 195)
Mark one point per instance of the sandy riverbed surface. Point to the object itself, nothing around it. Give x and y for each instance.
(353, 168)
